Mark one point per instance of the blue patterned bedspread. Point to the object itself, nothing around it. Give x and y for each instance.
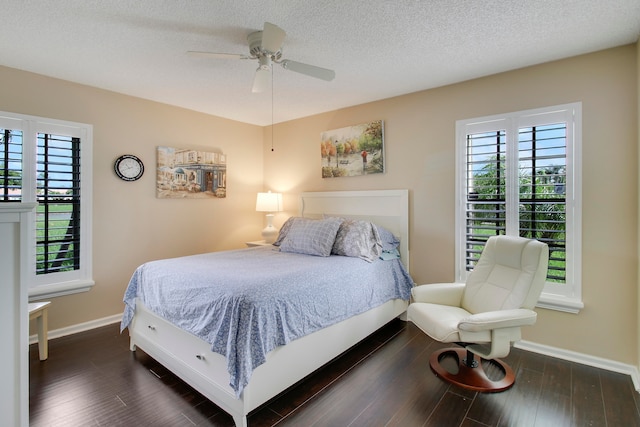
(247, 302)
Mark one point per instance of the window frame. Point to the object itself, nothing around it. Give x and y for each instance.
(51, 285)
(566, 296)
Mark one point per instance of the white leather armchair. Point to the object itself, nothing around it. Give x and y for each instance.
(485, 314)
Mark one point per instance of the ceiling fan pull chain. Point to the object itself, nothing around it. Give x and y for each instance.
(272, 110)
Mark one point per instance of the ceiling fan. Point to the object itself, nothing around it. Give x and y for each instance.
(266, 47)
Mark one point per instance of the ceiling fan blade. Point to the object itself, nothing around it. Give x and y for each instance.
(261, 80)
(272, 37)
(217, 55)
(309, 70)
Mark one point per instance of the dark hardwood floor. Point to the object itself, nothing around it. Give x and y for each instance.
(92, 379)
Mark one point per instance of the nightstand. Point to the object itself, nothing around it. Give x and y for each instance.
(257, 243)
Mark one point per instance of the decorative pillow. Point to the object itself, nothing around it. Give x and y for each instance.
(311, 237)
(389, 240)
(359, 239)
(284, 230)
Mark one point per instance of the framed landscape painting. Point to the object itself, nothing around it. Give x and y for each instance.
(352, 151)
(190, 174)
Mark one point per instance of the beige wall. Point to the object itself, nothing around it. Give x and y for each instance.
(131, 226)
(419, 140)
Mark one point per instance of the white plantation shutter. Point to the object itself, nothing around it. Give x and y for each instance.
(10, 165)
(485, 189)
(49, 162)
(58, 218)
(518, 175)
(542, 191)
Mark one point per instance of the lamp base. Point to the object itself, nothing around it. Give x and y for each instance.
(270, 234)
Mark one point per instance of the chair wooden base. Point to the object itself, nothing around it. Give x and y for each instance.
(471, 377)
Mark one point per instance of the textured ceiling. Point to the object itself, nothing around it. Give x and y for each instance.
(378, 48)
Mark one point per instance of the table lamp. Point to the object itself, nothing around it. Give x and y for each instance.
(269, 202)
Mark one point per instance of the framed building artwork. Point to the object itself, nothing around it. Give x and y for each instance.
(190, 174)
(352, 151)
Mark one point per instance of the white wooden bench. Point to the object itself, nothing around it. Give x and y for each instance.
(39, 311)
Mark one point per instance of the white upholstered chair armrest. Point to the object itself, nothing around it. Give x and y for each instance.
(439, 293)
(498, 320)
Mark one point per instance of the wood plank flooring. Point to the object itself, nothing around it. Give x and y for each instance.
(92, 379)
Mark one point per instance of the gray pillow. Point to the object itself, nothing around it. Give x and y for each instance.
(358, 239)
(284, 230)
(311, 237)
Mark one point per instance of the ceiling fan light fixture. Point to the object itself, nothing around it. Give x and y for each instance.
(261, 80)
(265, 62)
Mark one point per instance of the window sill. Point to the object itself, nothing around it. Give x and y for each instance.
(59, 289)
(560, 303)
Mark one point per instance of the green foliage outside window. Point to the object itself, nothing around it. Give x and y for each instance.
(542, 214)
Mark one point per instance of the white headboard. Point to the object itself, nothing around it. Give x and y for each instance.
(387, 208)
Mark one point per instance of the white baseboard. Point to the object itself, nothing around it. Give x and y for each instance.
(81, 327)
(584, 359)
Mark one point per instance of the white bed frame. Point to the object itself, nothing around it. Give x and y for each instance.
(191, 359)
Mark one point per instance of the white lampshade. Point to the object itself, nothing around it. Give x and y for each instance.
(269, 202)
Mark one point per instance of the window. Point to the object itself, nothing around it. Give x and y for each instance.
(49, 162)
(11, 165)
(519, 174)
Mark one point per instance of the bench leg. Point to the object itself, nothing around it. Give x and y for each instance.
(43, 327)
